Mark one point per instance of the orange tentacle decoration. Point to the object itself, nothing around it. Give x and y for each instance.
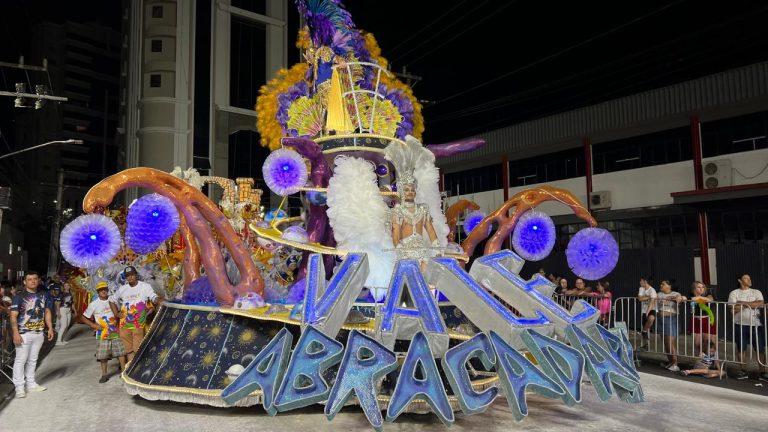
(198, 211)
(453, 212)
(191, 254)
(521, 201)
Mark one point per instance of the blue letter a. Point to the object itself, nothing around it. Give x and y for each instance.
(429, 385)
(265, 372)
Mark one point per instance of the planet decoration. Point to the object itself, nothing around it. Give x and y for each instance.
(151, 220)
(592, 253)
(285, 172)
(534, 236)
(90, 241)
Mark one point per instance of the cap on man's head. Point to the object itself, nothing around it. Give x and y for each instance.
(130, 270)
(102, 285)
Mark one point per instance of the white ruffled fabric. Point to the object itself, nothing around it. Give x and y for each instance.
(359, 218)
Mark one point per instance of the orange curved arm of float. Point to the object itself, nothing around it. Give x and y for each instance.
(198, 211)
(454, 211)
(521, 201)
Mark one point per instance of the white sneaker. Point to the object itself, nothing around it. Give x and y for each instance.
(60, 343)
(20, 393)
(36, 388)
(674, 368)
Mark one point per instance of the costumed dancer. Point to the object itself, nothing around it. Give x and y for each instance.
(418, 212)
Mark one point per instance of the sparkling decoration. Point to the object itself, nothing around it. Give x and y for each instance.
(296, 233)
(151, 220)
(317, 198)
(90, 241)
(534, 236)
(382, 170)
(284, 172)
(592, 253)
(200, 292)
(472, 220)
(275, 214)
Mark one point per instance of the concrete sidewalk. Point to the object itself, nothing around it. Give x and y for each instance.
(75, 401)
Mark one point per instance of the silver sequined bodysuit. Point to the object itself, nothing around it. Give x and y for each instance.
(414, 246)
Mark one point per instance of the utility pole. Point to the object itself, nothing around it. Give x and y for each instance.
(53, 256)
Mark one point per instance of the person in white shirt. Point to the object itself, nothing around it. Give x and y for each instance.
(647, 296)
(746, 306)
(132, 303)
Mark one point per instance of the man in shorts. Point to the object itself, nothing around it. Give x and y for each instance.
(746, 304)
(99, 316)
(131, 303)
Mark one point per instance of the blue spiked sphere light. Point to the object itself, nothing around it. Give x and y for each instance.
(151, 220)
(275, 214)
(534, 236)
(472, 220)
(592, 253)
(90, 241)
(284, 172)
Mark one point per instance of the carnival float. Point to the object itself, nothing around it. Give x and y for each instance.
(366, 292)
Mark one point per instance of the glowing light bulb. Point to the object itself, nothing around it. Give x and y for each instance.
(155, 213)
(93, 237)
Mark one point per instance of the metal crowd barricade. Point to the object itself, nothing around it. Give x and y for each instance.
(7, 347)
(696, 334)
(593, 299)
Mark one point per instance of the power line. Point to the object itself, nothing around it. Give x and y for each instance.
(558, 53)
(442, 30)
(427, 26)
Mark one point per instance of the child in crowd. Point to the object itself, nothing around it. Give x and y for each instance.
(668, 301)
(99, 316)
(604, 303)
(704, 366)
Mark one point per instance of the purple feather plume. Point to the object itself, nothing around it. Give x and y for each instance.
(284, 172)
(592, 253)
(151, 220)
(534, 236)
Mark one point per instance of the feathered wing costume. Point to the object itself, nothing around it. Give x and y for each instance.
(359, 216)
(414, 162)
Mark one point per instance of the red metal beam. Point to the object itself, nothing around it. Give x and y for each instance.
(588, 166)
(505, 176)
(698, 177)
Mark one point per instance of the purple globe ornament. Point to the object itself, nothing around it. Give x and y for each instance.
(296, 234)
(90, 241)
(472, 220)
(151, 220)
(534, 236)
(382, 170)
(592, 253)
(285, 172)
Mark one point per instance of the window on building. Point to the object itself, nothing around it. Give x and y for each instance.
(248, 70)
(669, 146)
(737, 226)
(735, 134)
(155, 80)
(474, 180)
(641, 233)
(257, 6)
(551, 167)
(157, 11)
(157, 45)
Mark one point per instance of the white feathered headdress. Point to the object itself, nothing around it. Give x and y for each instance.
(415, 164)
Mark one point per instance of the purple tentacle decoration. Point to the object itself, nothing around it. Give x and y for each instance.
(318, 227)
(455, 147)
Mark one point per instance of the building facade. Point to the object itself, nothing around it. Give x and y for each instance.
(677, 174)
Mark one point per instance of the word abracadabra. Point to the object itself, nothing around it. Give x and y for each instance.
(527, 350)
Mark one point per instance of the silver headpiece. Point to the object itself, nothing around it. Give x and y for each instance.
(406, 158)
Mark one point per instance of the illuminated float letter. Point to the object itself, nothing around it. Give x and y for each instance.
(327, 308)
(516, 373)
(303, 383)
(365, 362)
(558, 361)
(604, 368)
(498, 272)
(429, 385)
(264, 372)
(454, 366)
(399, 322)
(479, 305)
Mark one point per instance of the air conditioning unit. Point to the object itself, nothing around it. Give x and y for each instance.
(600, 200)
(5, 197)
(717, 173)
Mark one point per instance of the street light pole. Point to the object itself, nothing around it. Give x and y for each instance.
(53, 255)
(69, 141)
